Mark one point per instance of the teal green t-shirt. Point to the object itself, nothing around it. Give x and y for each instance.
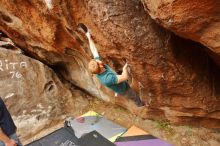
(109, 79)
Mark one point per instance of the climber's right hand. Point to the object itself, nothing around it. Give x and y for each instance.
(125, 68)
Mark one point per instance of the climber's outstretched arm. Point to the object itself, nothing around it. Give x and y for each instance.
(92, 46)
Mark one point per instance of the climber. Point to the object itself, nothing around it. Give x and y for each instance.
(108, 77)
(8, 135)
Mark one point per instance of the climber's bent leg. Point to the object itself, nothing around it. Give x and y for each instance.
(131, 94)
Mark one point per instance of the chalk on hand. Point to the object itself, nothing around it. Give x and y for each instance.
(83, 27)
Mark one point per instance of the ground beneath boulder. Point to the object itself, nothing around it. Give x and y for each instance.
(177, 135)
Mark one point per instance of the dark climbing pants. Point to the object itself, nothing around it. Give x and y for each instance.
(131, 94)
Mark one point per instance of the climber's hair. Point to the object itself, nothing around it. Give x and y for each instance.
(94, 67)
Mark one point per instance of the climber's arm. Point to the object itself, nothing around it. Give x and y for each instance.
(7, 140)
(92, 46)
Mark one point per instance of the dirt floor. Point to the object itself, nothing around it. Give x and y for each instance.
(177, 135)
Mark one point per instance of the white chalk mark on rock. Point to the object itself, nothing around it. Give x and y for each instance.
(49, 4)
(9, 95)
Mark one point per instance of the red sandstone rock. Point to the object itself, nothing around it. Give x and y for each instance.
(179, 80)
(198, 20)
